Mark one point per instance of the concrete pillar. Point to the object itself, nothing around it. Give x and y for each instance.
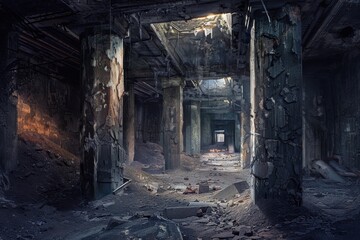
(192, 127)
(245, 135)
(277, 165)
(172, 122)
(206, 133)
(237, 133)
(102, 125)
(245, 121)
(8, 97)
(130, 123)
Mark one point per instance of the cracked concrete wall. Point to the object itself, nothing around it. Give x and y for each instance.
(8, 98)
(276, 169)
(103, 151)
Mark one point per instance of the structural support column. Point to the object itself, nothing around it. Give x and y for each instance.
(245, 133)
(8, 97)
(172, 122)
(192, 127)
(206, 133)
(130, 123)
(277, 165)
(245, 138)
(102, 130)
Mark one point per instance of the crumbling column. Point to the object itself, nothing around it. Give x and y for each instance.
(276, 168)
(237, 133)
(245, 132)
(8, 97)
(206, 133)
(172, 121)
(192, 127)
(130, 123)
(102, 127)
(245, 135)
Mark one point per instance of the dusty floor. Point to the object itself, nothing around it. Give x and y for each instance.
(49, 205)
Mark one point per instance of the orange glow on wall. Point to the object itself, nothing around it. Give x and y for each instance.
(31, 119)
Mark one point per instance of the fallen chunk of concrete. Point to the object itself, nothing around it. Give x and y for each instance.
(202, 204)
(203, 188)
(114, 222)
(230, 191)
(183, 212)
(341, 170)
(189, 190)
(155, 227)
(326, 171)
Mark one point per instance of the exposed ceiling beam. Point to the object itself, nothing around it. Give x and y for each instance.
(160, 33)
(310, 37)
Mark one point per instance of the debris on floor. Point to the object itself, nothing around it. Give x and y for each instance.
(326, 171)
(153, 206)
(232, 190)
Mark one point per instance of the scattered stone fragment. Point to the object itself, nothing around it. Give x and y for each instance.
(114, 222)
(199, 213)
(183, 212)
(223, 235)
(189, 190)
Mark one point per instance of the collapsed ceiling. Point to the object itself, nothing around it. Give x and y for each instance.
(193, 39)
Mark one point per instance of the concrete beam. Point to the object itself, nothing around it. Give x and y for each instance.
(160, 33)
(320, 27)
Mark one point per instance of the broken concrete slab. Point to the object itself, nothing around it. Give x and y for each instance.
(202, 204)
(203, 188)
(184, 212)
(230, 191)
(326, 171)
(155, 227)
(341, 170)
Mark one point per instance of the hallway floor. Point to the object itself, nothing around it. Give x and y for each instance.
(222, 211)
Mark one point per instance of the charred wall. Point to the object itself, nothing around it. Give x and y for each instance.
(50, 107)
(345, 91)
(317, 77)
(148, 121)
(332, 111)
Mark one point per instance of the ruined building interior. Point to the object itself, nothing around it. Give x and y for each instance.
(192, 119)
